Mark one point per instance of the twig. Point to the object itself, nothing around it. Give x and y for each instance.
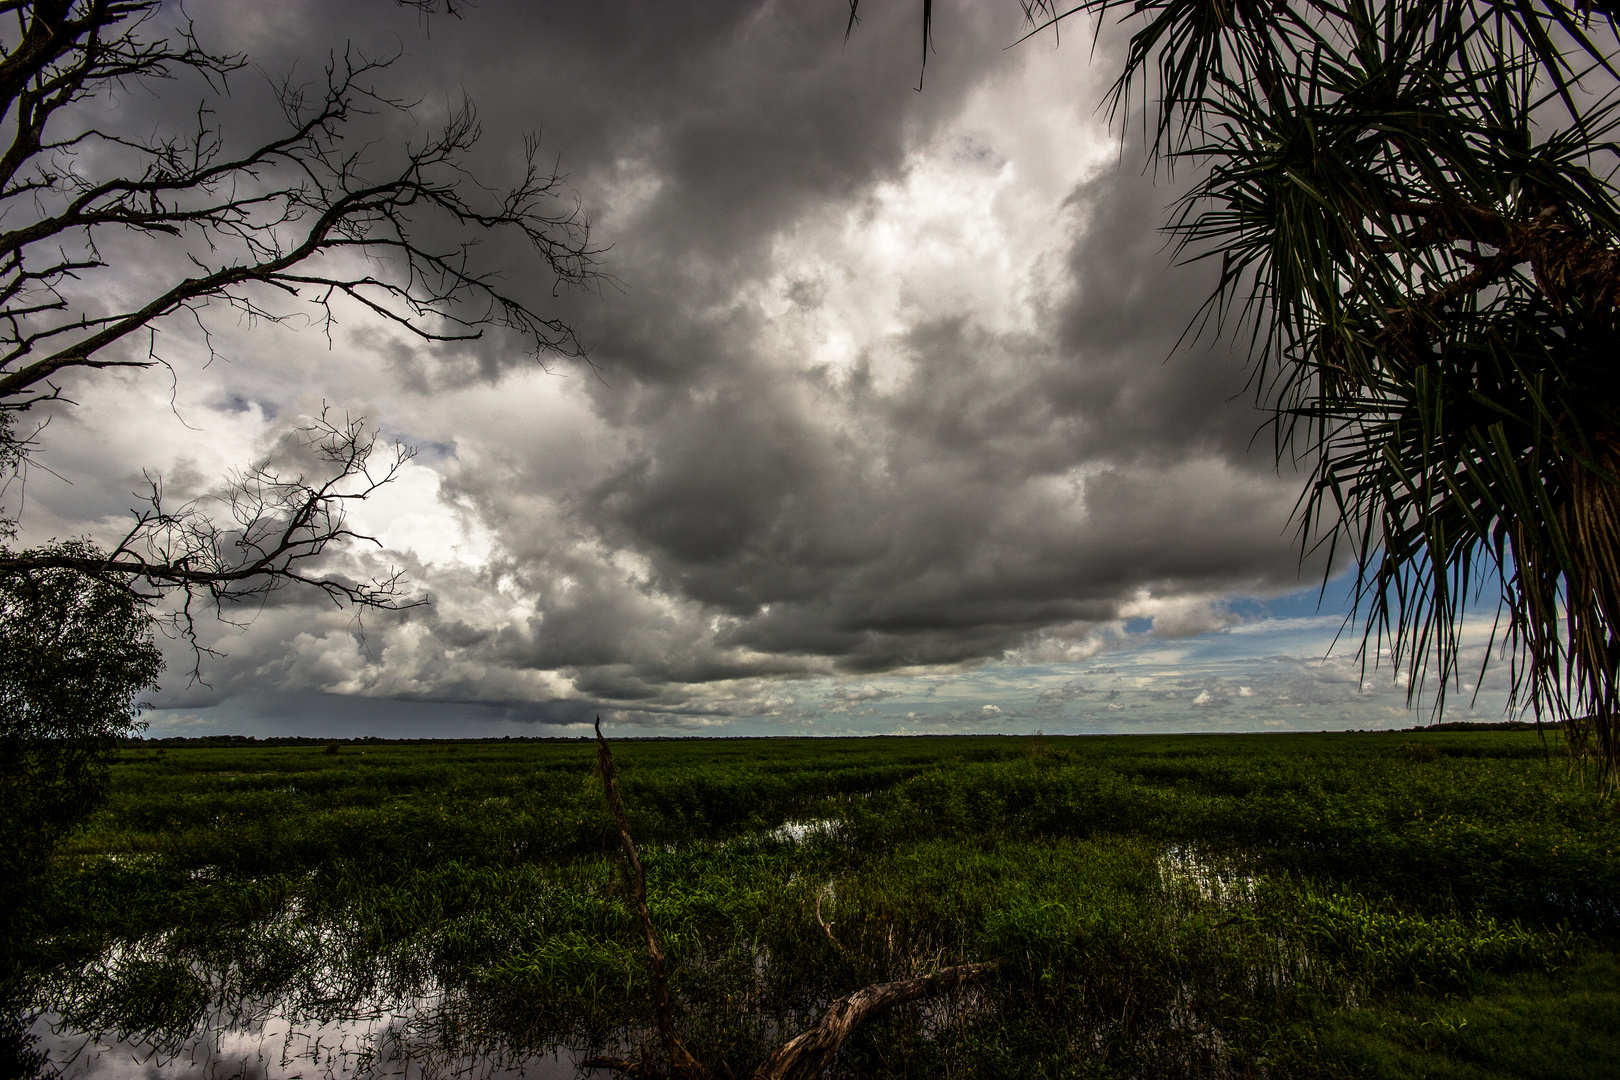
(825, 927)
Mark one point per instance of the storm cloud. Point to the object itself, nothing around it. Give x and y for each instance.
(881, 382)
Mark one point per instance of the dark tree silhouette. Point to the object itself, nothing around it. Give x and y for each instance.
(1412, 207)
(298, 225)
(74, 652)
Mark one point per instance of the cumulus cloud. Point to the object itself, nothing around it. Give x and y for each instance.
(883, 382)
(864, 692)
(1062, 695)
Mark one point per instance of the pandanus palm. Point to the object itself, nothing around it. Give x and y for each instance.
(1412, 208)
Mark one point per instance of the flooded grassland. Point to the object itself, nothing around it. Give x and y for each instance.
(1444, 904)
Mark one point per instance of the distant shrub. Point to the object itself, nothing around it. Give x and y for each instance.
(1419, 751)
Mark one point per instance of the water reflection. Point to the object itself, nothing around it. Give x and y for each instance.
(797, 832)
(414, 1038)
(1216, 878)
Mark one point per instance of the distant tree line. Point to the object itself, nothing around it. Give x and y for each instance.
(137, 742)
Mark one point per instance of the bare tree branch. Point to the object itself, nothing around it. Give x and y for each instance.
(265, 530)
(314, 220)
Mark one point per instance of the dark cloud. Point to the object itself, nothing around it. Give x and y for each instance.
(1016, 450)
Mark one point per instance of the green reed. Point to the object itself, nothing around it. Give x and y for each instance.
(1187, 906)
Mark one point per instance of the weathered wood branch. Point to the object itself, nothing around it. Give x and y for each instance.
(808, 1055)
(826, 927)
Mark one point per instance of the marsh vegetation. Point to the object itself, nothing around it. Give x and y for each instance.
(1290, 905)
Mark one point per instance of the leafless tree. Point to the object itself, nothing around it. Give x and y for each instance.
(262, 531)
(300, 225)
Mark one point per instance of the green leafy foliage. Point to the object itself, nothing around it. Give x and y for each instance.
(74, 653)
(1412, 208)
(1224, 905)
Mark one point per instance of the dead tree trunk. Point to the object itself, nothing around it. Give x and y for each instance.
(683, 1064)
(804, 1057)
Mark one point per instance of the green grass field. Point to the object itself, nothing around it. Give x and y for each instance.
(1349, 905)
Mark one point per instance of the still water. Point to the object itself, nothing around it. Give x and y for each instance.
(411, 1038)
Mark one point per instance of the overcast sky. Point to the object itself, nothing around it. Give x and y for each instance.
(886, 429)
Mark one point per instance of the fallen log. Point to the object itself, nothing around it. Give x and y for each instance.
(806, 1056)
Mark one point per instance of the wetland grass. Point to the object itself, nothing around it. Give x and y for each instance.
(1300, 905)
